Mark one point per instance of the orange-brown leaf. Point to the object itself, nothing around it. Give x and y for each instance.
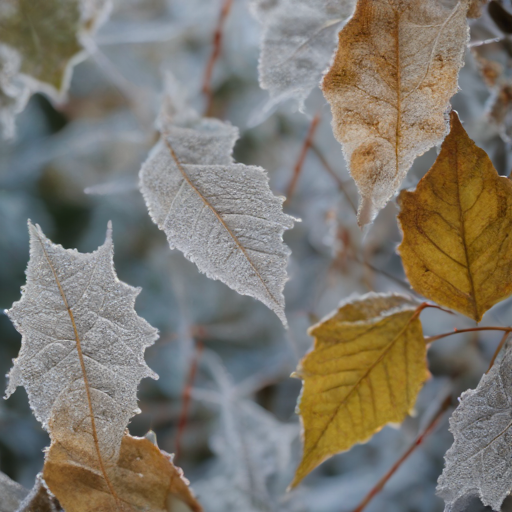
(144, 477)
(457, 248)
(395, 70)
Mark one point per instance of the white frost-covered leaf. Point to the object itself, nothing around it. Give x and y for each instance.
(14, 93)
(221, 215)
(478, 463)
(298, 42)
(82, 351)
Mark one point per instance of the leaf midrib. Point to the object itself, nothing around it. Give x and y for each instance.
(356, 385)
(220, 219)
(84, 374)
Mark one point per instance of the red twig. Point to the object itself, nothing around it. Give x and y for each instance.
(187, 391)
(430, 339)
(382, 482)
(217, 45)
(330, 171)
(308, 141)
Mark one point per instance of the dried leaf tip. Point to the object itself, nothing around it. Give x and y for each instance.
(389, 86)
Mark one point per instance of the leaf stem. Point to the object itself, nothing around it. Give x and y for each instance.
(308, 141)
(430, 339)
(217, 45)
(421, 437)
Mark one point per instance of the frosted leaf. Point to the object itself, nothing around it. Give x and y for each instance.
(389, 88)
(82, 347)
(11, 494)
(478, 462)
(256, 480)
(298, 42)
(14, 93)
(221, 215)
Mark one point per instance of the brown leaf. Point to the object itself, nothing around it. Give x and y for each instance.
(457, 248)
(366, 368)
(144, 477)
(394, 72)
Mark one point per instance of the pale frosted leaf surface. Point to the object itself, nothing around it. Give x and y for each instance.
(13, 93)
(74, 300)
(478, 463)
(298, 42)
(221, 215)
(11, 494)
(395, 70)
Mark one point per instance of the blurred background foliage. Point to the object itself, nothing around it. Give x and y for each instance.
(73, 167)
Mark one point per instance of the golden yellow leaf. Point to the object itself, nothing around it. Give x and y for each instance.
(395, 70)
(366, 368)
(144, 477)
(457, 248)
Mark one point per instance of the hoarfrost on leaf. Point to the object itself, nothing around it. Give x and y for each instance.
(393, 75)
(221, 215)
(478, 462)
(82, 352)
(14, 93)
(298, 42)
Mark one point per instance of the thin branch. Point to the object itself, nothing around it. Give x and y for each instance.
(308, 141)
(430, 339)
(421, 437)
(217, 45)
(397, 280)
(187, 392)
(341, 184)
(498, 350)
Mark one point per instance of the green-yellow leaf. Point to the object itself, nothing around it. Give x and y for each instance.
(366, 368)
(44, 32)
(457, 248)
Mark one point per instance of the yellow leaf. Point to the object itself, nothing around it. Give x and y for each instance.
(366, 368)
(457, 248)
(144, 477)
(394, 72)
